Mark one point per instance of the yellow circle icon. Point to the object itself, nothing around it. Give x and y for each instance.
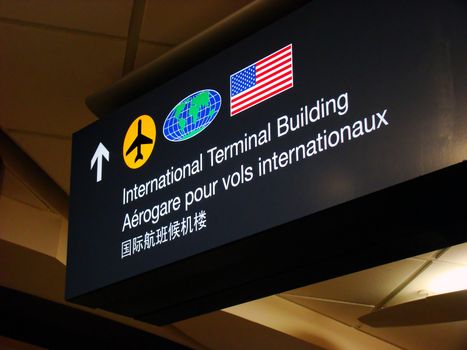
(139, 141)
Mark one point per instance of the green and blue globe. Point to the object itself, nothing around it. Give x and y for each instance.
(192, 115)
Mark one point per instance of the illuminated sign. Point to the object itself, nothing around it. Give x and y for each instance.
(323, 109)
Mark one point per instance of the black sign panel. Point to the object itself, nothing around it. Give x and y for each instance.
(333, 102)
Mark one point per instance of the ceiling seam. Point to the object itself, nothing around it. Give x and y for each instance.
(407, 281)
(51, 27)
(18, 178)
(47, 210)
(357, 328)
(28, 172)
(318, 312)
(326, 300)
(37, 133)
(156, 43)
(178, 330)
(440, 253)
(382, 339)
(54, 28)
(134, 29)
(402, 285)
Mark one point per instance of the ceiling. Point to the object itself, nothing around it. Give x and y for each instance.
(55, 53)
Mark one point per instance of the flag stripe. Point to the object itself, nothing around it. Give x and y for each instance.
(260, 96)
(260, 88)
(277, 53)
(272, 70)
(275, 92)
(285, 55)
(264, 81)
(268, 79)
(264, 85)
(261, 80)
(262, 92)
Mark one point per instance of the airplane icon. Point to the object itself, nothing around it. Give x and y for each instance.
(139, 140)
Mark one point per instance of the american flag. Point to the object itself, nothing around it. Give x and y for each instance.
(262, 80)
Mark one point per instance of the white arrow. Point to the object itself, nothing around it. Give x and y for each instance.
(101, 152)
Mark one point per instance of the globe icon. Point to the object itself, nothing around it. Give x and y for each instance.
(192, 115)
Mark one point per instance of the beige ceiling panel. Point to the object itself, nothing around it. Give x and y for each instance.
(342, 312)
(441, 336)
(427, 256)
(367, 287)
(439, 277)
(221, 330)
(13, 344)
(13, 188)
(29, 227)
(62, 245)
(174, 21)
(52, 154)
(46, 75)
(148, 52)
(302, 323)
(104, 16)
(456, 254)
(169, 332)
(31, 272)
